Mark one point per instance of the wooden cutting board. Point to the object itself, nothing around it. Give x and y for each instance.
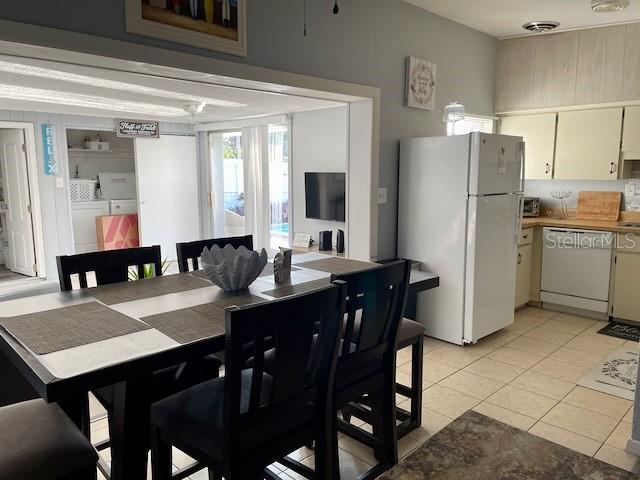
(599, 206)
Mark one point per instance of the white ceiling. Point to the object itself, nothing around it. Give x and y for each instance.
(44, 86)
(504, 18)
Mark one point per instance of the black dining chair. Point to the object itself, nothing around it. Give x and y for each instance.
(39, 442)
(239, 424)
(114, 266)
(193, 250)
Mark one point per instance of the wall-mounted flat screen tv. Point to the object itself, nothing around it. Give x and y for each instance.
(325, 195)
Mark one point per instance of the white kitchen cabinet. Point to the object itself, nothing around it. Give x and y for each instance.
(631, 131)
(625, 293)
(539, 133)
(588, 144)
(523, 267)
(83, 215)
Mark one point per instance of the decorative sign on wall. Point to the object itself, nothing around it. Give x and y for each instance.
(50, 153)
(134, 128)
(420, 91)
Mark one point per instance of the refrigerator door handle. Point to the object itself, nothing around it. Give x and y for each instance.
(519, 217)
(522, 165)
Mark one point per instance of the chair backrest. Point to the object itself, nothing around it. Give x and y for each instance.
(376, 298)
(193, 250)
(110, 266)
(300, 375)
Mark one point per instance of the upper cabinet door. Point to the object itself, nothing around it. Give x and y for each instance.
(539, 133)
(631, 81)
(588, 144)
(555, 69)
(600, 65)
(631, 131)
(514, 81)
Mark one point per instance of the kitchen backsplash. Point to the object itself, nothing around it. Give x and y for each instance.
(543, 189)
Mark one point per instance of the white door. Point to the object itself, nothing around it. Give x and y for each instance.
(495, 165)
(15, 183)
(167, 174)
(491, 264)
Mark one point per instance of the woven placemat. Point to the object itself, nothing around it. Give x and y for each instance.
(68, 327)
(202, 321)
(151, 287)
(286, 290)
(337, 265)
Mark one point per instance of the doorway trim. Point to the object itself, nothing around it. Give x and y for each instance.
(34, 191)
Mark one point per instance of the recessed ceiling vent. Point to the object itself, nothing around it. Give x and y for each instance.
(607, 6)
(540, 26)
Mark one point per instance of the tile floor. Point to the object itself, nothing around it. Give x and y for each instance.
(524, 375)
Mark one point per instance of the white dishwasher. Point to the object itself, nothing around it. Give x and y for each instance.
(576, 268)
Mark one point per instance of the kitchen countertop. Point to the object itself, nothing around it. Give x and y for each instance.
(584, 224)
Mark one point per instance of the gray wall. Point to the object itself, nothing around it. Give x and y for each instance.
(367, 43)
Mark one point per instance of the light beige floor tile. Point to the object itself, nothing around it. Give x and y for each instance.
(549, 335)
(181, 459)
(99, 430)
(431, 344)
(471, 384)
(584, 445)
(454, 356)
(522, 401)
(505, 416)
(351, 466)
(543, 384)
(619, 458)
(514, 357)
(598, 402)
(631, 343)
(538, 312)
(403, 356)
(577, 357)
(528, 321)
(620, 436)
(407, 445)
(593, 335)
(500, 338)
(96, 410)
(434, 371)
(356, 449)
(576, 319)
(583, 422)
(573, 327)
(587, 344)
(432, 423)
(628, 418)
(532, 345)
(495, 370)
(562, 370)
(447, 402)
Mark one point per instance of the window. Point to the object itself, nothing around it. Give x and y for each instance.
(471, 124)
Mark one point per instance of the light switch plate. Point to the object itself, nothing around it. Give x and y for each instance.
(59, 182)
(382, 195)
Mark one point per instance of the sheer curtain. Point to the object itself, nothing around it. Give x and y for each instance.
(255, 145)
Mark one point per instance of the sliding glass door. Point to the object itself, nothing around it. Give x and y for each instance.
(250, 179)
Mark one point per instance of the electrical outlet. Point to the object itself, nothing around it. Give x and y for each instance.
(630, 189)
(382, 195)
(59, 182)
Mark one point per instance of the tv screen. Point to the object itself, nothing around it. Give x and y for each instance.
(325, 196)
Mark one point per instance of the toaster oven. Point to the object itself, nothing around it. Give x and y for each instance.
(531, 207)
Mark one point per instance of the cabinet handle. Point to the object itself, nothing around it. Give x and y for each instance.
(547, 168)
(612, 168)
(519, 258)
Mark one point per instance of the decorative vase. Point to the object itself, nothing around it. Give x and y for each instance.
(208, 10)
(282, 265)
(233, 269)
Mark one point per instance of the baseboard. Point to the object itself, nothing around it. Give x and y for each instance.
(633, 447)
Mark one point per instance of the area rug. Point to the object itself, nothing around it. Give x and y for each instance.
(615, 375)
(621, 330)
(476, 447)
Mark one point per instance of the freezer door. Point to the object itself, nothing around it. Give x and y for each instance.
(491, 264)
(496, 164)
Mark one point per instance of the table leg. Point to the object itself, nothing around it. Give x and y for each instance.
(130, 430)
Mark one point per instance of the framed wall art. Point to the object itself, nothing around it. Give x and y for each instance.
(218, 25)
(420, 90)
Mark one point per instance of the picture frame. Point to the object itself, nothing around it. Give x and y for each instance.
(420, 89)
(218, 25)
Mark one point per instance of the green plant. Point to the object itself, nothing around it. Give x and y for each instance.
(149, 270)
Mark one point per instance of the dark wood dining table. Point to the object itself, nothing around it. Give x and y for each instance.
(129, 360)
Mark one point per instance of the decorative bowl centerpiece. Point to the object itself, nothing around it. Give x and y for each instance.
(233, 269)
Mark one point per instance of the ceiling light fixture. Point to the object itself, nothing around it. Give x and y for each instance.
(608, 6)
(541, 26)
(13, 92)
(194, 108)
(33, 71)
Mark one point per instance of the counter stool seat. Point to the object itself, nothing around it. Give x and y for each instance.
(39, 442)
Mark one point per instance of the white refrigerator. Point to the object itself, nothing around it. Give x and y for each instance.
(459, 214)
